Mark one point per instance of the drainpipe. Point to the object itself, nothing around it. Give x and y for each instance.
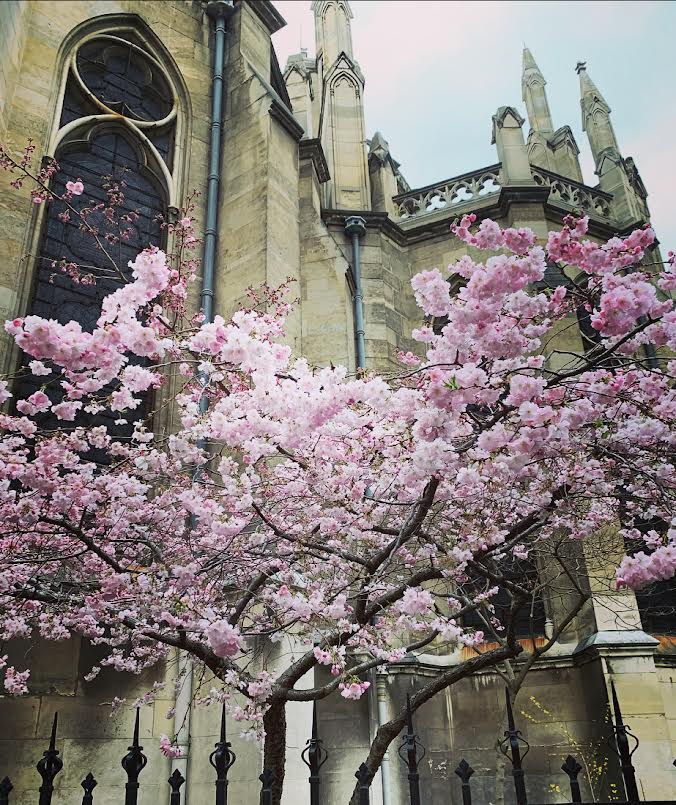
(383, 717)
(218, 11)
(355, 226)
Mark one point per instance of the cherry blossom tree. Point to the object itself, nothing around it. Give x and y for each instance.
(362, 518)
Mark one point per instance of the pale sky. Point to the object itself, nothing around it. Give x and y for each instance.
(437, 70)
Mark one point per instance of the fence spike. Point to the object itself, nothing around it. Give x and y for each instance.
(314, 756)
(5, 788)
(572, 768)
(622, 735)
(52, 737)
(133, 763)
(49, 765)
(464, 772)
(175, 782)
(510, 746)
(364, 777)
(89, 784)
(222, 759)
(267, 778)
(408, 753)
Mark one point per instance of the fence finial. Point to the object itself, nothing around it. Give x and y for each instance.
(175, 782)
(222, 759)
(5, 789)
(133, 763)
(364, 777)
(572, 768)
(510, 746)
(314, 756)
(464, 772)
(408, 753)
(89, 784)
(622, 735)
(49, 765)
(267, 778)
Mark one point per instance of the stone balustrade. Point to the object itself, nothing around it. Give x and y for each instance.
(456, 192)
(463, 192)
(573, 194)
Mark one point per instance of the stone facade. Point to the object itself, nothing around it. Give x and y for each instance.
(295, 164)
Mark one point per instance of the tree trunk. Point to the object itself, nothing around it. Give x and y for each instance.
(388, 732)
(274, 750)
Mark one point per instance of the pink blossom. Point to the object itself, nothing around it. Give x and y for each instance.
(4, 391)
(66, 410)
(168, 748)
(15, 681)
(431, 292)
(76, 188)
(38, 368)
(224, 639)
(353, 690)
(416, 601)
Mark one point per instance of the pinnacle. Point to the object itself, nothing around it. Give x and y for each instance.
(529, 62)
(587, 87)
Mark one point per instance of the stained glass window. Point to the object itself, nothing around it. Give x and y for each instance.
(104, 155)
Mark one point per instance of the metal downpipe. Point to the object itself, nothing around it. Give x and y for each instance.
(355, 227)
(217, 10)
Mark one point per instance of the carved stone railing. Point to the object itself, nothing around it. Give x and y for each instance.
(455, 192)
(573, 194)
(464, 191)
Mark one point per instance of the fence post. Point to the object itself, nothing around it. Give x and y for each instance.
(89, 784)
(267, 778)
(572, 769)
(510, 748)
(222, 759)
(622, 736)
(5, 787)
(314, 756)
(410, 746)
(49, 765)
(364, 776)
(464, 772)
(133, 763)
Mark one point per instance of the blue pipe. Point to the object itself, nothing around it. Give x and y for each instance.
(355, 226)
(218, 10)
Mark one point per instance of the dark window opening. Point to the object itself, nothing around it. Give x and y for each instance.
(657, 601)
(529, 620)
(130, 83)
(56, 295)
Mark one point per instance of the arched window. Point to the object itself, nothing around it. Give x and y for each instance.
(117, 128)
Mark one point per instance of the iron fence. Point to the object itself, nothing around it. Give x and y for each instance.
(514, 746)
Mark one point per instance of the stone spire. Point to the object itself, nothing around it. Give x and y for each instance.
(617, 176)
(534, 95)
(340, 121)
(596, 122)
(332, 29)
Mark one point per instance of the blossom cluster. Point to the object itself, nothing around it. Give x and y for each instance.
(353, 516)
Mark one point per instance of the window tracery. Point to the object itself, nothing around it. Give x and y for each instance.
(116, 131)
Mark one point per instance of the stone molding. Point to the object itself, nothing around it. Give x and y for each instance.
(267, 14)
(312, 149)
